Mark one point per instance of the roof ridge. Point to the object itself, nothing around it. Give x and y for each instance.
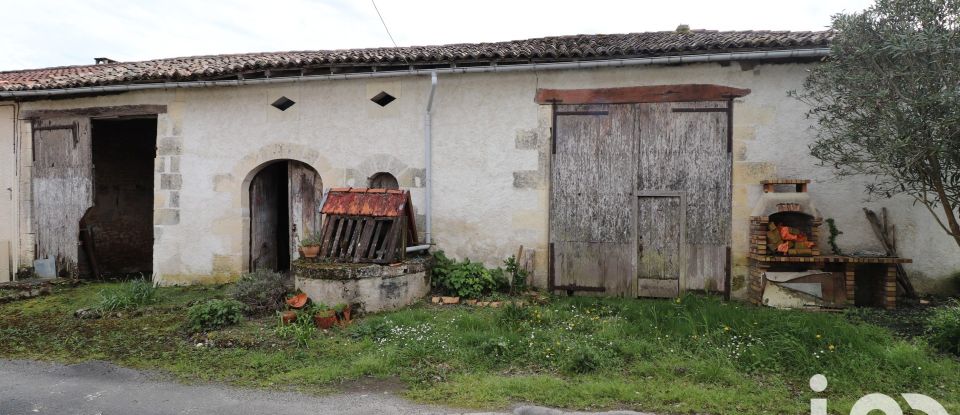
(546, 48)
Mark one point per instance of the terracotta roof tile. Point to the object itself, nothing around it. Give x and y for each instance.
(547, 49)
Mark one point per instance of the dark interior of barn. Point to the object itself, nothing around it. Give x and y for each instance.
(117, 232)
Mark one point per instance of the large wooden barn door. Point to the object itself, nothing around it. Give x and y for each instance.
(591, 225)
(306, 191)
(684, 151)
(640, 198)
(62, 187)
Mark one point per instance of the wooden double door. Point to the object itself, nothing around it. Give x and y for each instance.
(640, 199)
(285, 201)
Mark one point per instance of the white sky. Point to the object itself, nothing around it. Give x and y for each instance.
(40, 33)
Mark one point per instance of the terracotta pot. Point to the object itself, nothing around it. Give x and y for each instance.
(344, 316)
(310, 251)
(297, 301)
(288, 317)
(325, 320)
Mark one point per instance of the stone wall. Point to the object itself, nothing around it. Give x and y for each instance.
(491, 159)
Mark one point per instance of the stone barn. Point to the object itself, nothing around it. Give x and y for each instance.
(623, 164)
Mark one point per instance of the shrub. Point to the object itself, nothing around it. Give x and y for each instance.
(214, 314)
(518, 276)
(465, 279)
(128, 295)
(261, 291)
(583, 358)
(944, 328)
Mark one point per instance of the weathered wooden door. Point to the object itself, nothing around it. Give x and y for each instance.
(306, 192)
(640, 198)
(264, 220)
(62, 187)
(591, 219)
(684, 150)
(660, 245)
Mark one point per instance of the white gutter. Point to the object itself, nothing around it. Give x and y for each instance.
(428, 159)
(607, 63)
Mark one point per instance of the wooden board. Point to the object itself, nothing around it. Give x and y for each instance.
(305, 190)
(6, 265)
(659, 240)
(264, 220)
(62, 188)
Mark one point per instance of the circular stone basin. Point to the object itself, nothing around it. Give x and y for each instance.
(369, 287)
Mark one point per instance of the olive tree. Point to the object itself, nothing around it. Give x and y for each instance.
(887, 103)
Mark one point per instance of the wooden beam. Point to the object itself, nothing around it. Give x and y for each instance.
(96, 112)
(640, 94)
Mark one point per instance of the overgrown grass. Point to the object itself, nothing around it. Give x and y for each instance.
(128, 295)
(695, 355)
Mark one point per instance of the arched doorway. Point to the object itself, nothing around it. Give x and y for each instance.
(285, 198)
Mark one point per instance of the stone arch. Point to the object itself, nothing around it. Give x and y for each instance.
(253, 164)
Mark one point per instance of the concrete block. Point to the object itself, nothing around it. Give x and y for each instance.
(170, 181)
(174, 164)
(166, 217)
(527, 140)
(170, 146)
(527, 179)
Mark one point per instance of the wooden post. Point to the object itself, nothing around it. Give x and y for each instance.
(890, 287)
(850, 276)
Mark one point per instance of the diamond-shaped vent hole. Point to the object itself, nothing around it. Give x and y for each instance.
(283, 103)
(383, 98)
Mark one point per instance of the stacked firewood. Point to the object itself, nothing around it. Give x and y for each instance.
(786, 240)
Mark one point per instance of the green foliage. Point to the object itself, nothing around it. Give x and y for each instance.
(301, 331)
(261, 291)
(465, 279)
(944, 328)
(518, 276)
(311, 240)
(129, 295)
(886, 102)
(214, 314)
(698, 355)
(834, 232)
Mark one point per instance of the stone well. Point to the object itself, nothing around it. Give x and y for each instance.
(370, 287)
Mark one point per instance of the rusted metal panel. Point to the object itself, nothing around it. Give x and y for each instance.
(62, 187)
(640, 94)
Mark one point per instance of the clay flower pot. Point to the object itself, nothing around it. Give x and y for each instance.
(344, 315)
(325, 319)
(297, 301)
(310, 251)
(288, 316)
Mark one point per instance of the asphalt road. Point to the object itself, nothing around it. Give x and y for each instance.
(101, 388)
(90, 388)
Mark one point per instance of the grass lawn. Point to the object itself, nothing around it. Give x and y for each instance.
(692, 355)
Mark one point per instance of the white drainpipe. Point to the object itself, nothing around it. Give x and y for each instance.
(428, 159)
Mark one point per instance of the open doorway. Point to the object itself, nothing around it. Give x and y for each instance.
(284, 200)
(116, 233)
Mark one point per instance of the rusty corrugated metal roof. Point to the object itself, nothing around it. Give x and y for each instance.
(360, 201)
(366, 202)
